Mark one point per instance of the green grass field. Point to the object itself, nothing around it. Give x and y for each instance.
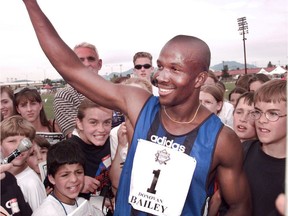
(48, 105)
(48, 100)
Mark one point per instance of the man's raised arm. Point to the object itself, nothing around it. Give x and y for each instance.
(75, 73)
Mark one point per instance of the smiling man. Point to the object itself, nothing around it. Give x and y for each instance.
(173, 173)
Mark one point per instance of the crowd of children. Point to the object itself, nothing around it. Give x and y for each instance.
(91, 168)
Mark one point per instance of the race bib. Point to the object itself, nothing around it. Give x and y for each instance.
(160, 179)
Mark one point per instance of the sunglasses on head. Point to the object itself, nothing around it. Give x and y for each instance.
(146, 66)
(26, 88)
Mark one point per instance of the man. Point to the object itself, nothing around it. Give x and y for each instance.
(177, 114)
(67, 100)
(143, 68)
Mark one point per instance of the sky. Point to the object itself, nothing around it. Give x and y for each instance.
(120, 28)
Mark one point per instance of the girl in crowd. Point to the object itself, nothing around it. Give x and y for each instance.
(235, 94)
(29, 105)
(243, 125)
(93, 126)
(212, 97)
(256, 81)
(7, 102)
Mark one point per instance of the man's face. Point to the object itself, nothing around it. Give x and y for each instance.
(178, 76)
(143, 72)
(95, 127)
(89, 58)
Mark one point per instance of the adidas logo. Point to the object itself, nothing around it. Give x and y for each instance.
(167, 143)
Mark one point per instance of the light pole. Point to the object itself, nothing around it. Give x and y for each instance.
(243, 29)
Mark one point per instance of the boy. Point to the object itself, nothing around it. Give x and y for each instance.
(13, 130)
(65, 169)
(265, 159)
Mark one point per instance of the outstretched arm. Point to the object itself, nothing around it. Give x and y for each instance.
(232, 180)
(76, 74)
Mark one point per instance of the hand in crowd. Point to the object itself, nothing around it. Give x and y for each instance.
(3, 169)
(122, 135)
(280, 203)
(90, 185)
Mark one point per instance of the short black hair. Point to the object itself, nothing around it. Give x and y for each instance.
(64, 152)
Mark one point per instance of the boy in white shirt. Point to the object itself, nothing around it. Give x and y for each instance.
(65, 169)
(13, 130)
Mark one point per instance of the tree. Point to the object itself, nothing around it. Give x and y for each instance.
(270, 65)
(47, 81)
(225, 73)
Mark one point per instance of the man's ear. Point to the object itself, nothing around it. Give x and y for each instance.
(51, 179)
(200, 79)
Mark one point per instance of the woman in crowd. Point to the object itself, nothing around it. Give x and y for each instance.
(29, 105)
(7, 102)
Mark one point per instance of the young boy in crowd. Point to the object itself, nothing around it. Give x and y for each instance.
(265, 158)
(13, 130)
(38, 154)
(65, 169)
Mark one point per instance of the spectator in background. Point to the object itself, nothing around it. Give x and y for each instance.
(256, 81)
(67, 100)
(29, 105)
(13, 130)
(212, 97)
(242, 81)
(7, 105)
(143, 68)
(38, 153)
(226, 112)
(212, 79)
(235, 94)
(243, 124)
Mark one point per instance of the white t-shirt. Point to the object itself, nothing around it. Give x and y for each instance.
(114, 144)
(52, 207)
(226, 114)
(32, 188)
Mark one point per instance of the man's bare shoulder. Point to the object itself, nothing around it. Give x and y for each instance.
(228, 147)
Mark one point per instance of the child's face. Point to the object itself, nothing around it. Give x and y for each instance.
(68, 182)
(37, 155)
(233, 98)
(267, 131)
(9, 144)
(243, 125)
(210, 102)
(95, 127)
